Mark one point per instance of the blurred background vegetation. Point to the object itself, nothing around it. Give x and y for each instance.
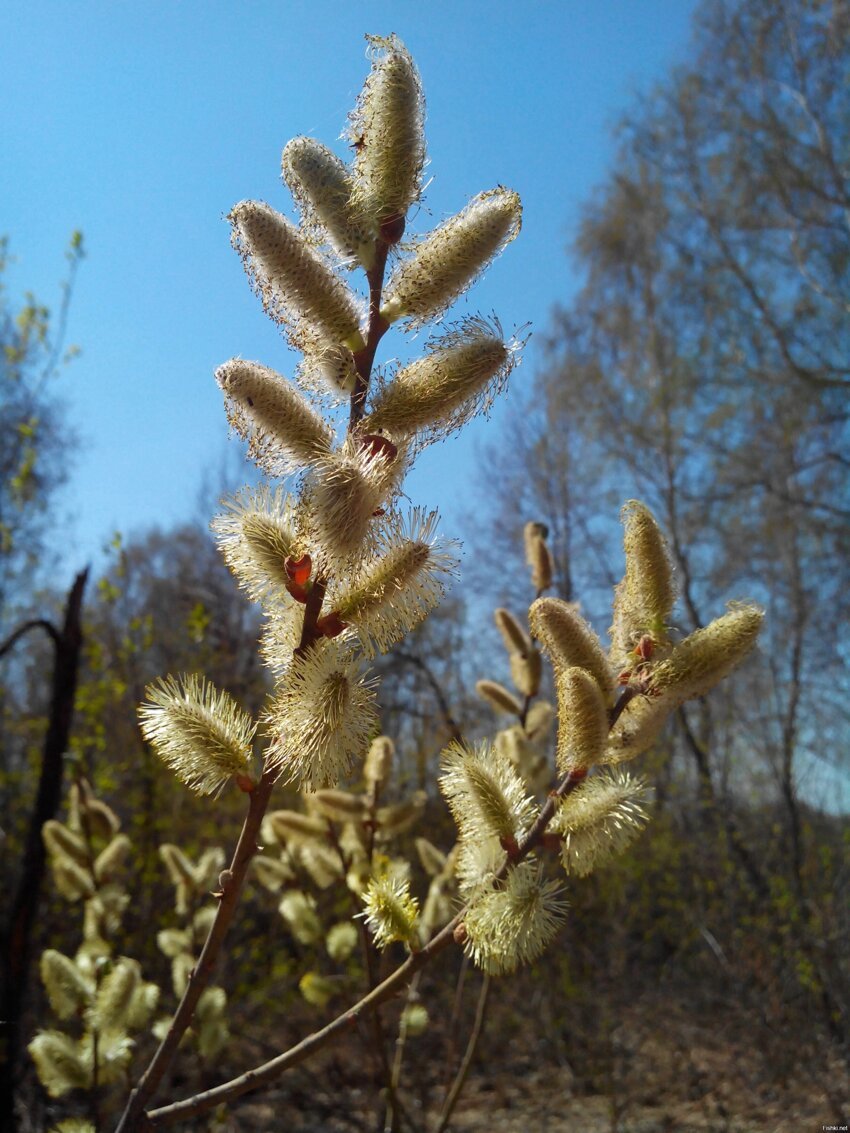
(704, 368)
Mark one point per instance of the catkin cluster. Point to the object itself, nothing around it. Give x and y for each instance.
(611, 706)
(340, 571)
(100, 999)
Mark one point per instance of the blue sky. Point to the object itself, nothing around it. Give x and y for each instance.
(142, 125)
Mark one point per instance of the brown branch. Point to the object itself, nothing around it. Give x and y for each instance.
(454, 1020)
(376, 329)
(398, 1059)
(35, 623)
(463, 1070)
(231, 888)
(232, 881)
(16, 948)
(441, 698)
(269, 1071)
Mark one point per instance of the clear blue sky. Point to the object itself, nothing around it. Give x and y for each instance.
(142, 124)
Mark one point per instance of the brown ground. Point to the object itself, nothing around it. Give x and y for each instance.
(662, 1071)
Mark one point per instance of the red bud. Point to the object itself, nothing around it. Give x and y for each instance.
(331, 625)
(298, 569)
(375, 444)
(298, 591)
(392, 229)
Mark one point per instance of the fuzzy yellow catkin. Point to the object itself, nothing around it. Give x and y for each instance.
(514, 636)
(68, 989)
(459, 375)
(599, 820)
(498, 697)
(341, 941)
(387, 132)
(440, 905)
(321, 863)
(414, 1020)
(173, 941)
(582, 720)
(211, 1005)
(343, 493)
(525, 756)
(538, 556)
(62, 1063)
(110, 860)
(72, 880)
(384, 584)
(539, 720)
(321, 717)
(526, 671)
(283, 431)
(317, 990)
(142, 1006)
(396, 588)
(339, 806)
(395, 819)
(704, 658)
(180, 869)
(210, 865)
(390, 910)
(299, 911)
(645, 597)
(433, 860)
(322, 187)
(328, 368)
(63, 843)
(638, 727)
(485, 795)
(298, 288)
(271, 873)
(569, 641)
(379, 760)
(256, 533)
(198, 731)
(450, 258)
(114, 996)
(100, 819)
(513, 923)
(292, 826)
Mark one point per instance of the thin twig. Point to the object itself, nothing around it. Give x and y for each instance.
(231, 888)
(463, 1070)
(269, 1071)
(35, 623)
(455, 1018)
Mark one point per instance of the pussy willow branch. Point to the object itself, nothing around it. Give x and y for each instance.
(400, 1043)
(364, 359)
(269, 1071)
(231, 887)
(233, 879)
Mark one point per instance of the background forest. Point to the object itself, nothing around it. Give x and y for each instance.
(703, 980)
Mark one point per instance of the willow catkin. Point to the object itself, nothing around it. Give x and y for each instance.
(387, 132)
(323, 189)
(298, 288)
(458, 377)
(450, 258)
